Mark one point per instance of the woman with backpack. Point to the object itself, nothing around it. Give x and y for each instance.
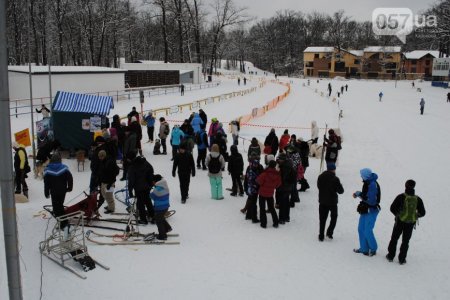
(216, 164)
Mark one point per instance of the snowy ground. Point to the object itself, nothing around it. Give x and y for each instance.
(222, 256)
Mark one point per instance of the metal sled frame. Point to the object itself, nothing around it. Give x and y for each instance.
(58, 249)
(124, 191)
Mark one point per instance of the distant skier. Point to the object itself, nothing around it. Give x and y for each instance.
(245, 81)
(448, 97)
(380, 95)
(182, 89)
(422, 106)
(329, 89)
(239, 80)
(342, 89)
(346, 87)
(413, 84)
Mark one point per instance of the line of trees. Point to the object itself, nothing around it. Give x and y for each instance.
(99, 32)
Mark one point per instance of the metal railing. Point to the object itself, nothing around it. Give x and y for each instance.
(22, 106)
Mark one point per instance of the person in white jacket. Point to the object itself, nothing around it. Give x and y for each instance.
(234, 128)
(314, 132)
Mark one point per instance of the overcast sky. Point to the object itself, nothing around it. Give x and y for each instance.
(359, 10)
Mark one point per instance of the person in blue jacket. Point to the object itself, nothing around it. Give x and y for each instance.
(196, 123)
(368, 209)
(175, 139)
(150, 119)
(160, 196)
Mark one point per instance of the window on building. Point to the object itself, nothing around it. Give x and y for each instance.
(427, 62)
(413, 62)
(316, 55)
(413, 70)
(356, 62)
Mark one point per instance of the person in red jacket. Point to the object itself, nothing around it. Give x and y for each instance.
(284, 140)
(268, 181)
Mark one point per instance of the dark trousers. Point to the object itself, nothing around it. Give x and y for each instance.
(184, 185)
(175, 150)
(237, 183)
(93, 183)
(294, 195)
(144, 201)
(150, 131)
(323, 216)
(252, 210)
(262, 210)
(125, 168)
(400, 229)
(201, 158)
(164, 146)
(58, 207)
(20, 181)
(421, 110)
(285, 208)
(162, 224)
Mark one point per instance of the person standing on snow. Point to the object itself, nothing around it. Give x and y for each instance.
(329, 187)
(150, 119)
(268, 181)
(448, 97)
(201, 140)
(204, 118)
(314, 132)
(21, 168)
(422, 105)
(284, 140)
(236, 170)
(271, 143)
(161, 199)
(329, 89)
(196, 123)
(251, 187)
(164, 131)
(57, 182)
(368, 209)
(107, 172)
(380, 95)
(184, 161)
(176, 137)
(407, 208)
(332, 145)
(215, 164)
(235, 128)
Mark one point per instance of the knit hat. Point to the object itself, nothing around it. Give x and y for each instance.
(365, 173)
(331, 166)
(215, 148)
(102, 154)
(56, 158)
(410, 184)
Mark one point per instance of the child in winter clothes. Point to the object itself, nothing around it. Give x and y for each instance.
(370, 197)
(160, 196)
(236, 169)
(284, 140)
(288, 178)
(185, 164)
(251, 188)
(175, 139)
(294, 156)
(216, 164)
(268, 181)
(202, 146)
(254, 148)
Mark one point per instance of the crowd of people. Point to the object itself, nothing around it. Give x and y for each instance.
(269, 187)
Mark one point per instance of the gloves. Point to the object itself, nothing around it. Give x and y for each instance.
(173, 174)
(356, 194)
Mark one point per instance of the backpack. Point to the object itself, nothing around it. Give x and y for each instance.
(339, 142)
(409, 210)
(166, 130)
(214, 165)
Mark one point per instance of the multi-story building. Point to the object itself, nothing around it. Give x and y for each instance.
(419, 63)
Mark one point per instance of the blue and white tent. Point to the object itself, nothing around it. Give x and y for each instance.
(83, 103)
(72, 111)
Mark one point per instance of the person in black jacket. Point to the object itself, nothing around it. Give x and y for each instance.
(288, 178)
(140, 178)
(108, 170)
(236, 169)
(96, 147)
(184, 161)
(404, 228)
(304, 155)
(272, 142)
(21, 168)
(43, 156)
(57, 182)
(204, 118)
(329, 187)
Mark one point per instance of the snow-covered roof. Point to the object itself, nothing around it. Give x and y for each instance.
(150, 62)
(357, 52)
(319, 49)
(418, 54)
(186, 71)
(391, 49)
(64, 69)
